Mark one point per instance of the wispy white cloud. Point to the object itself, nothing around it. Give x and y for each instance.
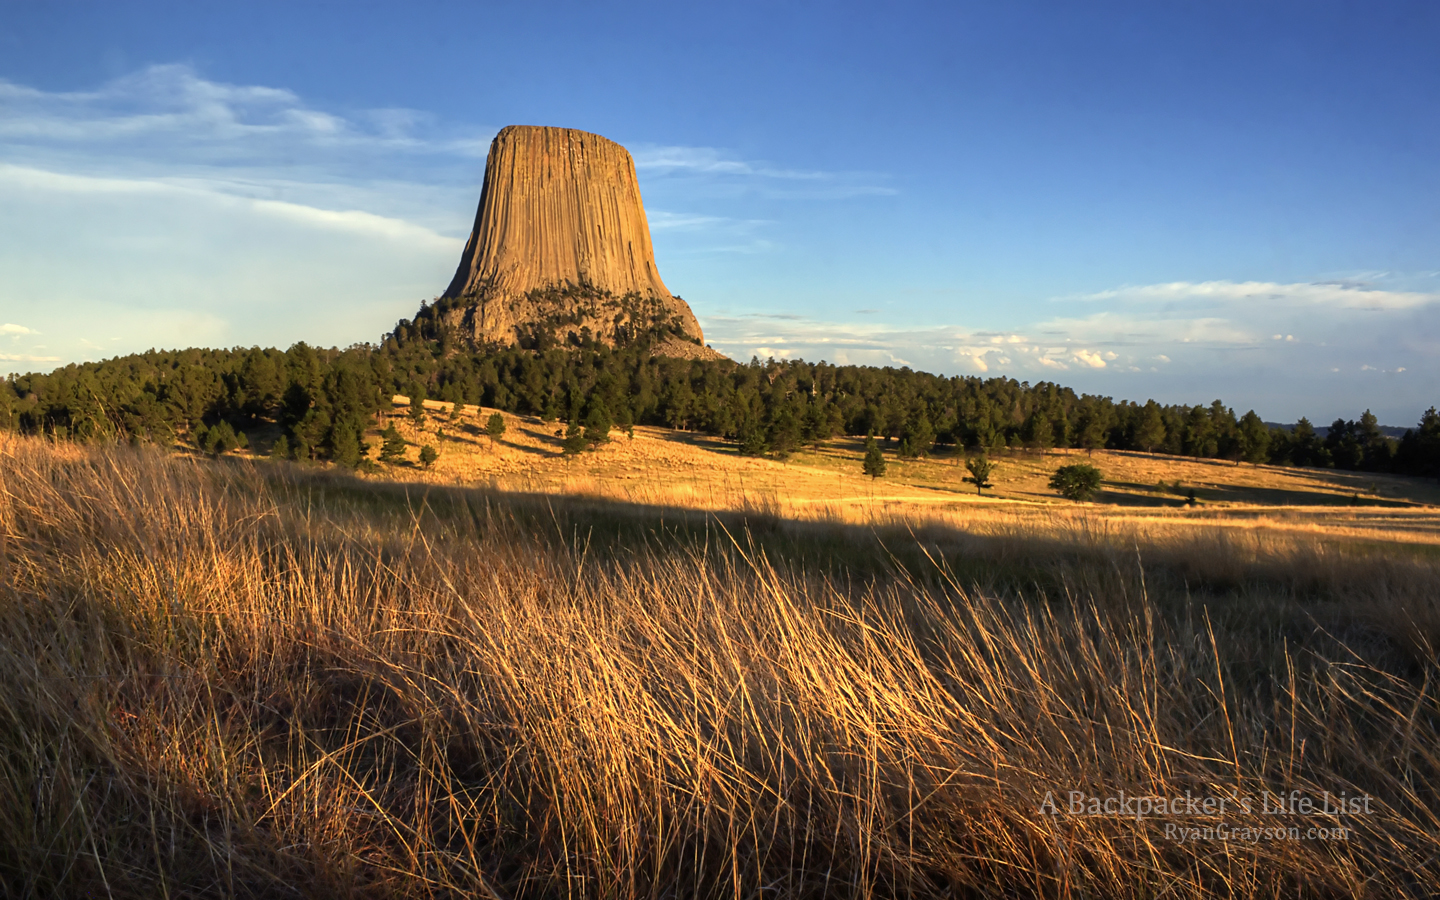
(357, 221)
(776, 182)
(664, 221)
(105, 266)
(12, 328)
(172, 102)
(1338, 294)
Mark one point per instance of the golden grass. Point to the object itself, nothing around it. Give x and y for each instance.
(242, 680)
(667, 467)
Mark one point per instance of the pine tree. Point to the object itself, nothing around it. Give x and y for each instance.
(495, 428)
(784, 434)
(874, 465)
(1077, 482)
(574, 440)
(1254, 438)
(345, 447)
(392, 446)
(428, 455)
(980, 469)
(1040, 433)
(1151, 433)
(597, 424)
(752, 442)
(918, 437)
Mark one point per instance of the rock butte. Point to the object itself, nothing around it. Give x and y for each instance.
(561, 249)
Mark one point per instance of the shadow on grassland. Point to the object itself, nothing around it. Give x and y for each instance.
(1070, 553)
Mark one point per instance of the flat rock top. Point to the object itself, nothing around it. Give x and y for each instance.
(559, 207)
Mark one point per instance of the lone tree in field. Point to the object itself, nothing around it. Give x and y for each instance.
(417, 409)
(574, 439)
(392, 445)
(1078, 482)
(874, 459)
(428, 455)
(981, 469)
(494, 428)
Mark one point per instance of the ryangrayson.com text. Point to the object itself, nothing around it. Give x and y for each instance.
(1224, 831)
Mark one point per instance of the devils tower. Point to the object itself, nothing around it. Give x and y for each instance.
(560, 251)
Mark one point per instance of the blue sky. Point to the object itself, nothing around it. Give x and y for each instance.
(1178, 201)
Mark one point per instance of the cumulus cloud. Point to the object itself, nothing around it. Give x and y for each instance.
(11, 328)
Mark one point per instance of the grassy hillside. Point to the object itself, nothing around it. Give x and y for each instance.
(673, 470)
(226, 678)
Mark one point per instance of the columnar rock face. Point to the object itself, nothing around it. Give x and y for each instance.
(560, 247)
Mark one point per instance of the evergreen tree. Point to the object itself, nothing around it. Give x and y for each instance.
(392, 445)
(281, 448)
(1077, 482)
(1254, 438)
(494, 428)
(980, 469)
(8, 418)
(220, 439)
(1151, 431)
(1419, 450)
(1200, 437)
(1226, 431)
(597, 424)
(874, 465)
(574, 439)
(918, 437)
(345, 448)
(1377, 451)
(784, 434)
(1306, 448)
(1039, 433)
(752, 441)
(1344, 445)
(428, 455)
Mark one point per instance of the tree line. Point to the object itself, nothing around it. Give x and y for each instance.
(324, 400)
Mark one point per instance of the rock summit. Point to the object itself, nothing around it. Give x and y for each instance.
(560, 252)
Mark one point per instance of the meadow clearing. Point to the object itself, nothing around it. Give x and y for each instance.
(246, 678)
(678, 470)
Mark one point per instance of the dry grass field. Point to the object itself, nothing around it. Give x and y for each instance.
(1142, 492)
(710, 474)
(231, 678)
